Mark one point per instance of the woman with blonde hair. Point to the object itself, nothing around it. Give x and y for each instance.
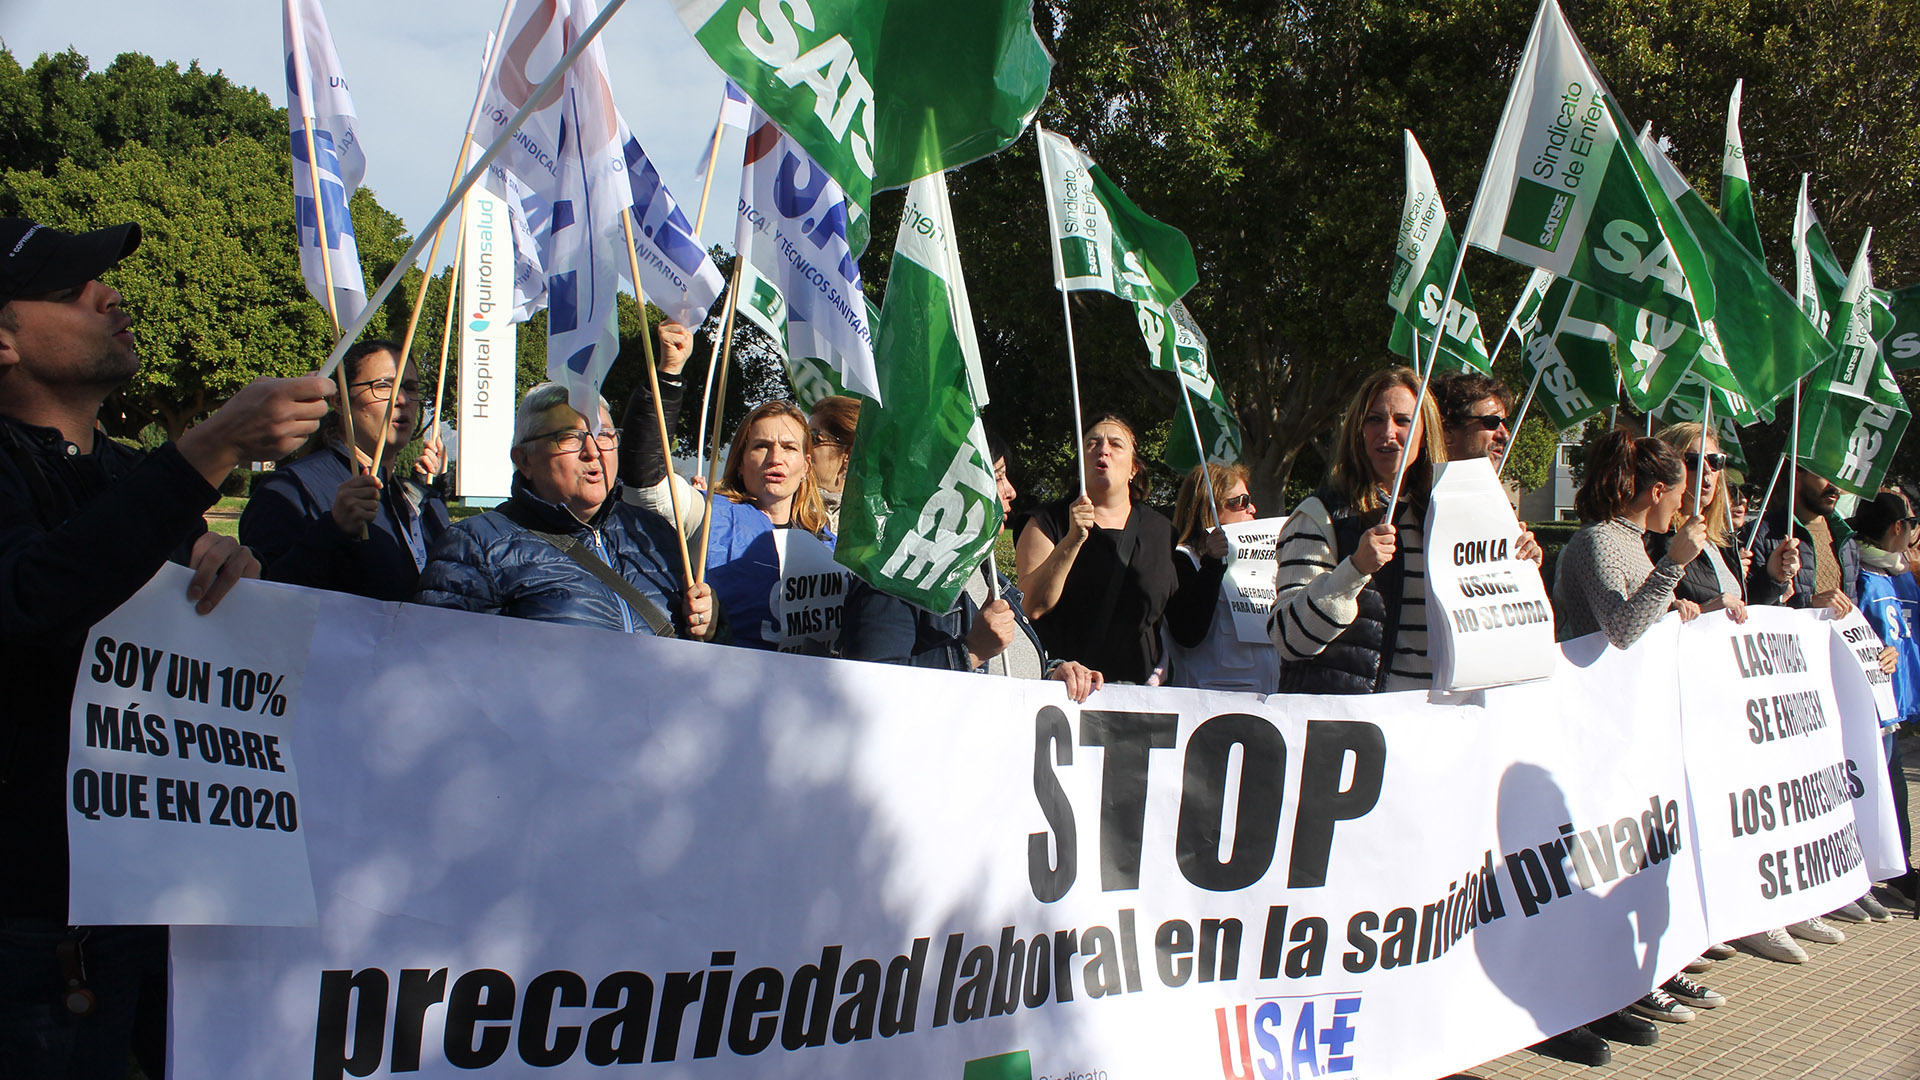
(1203, 650)
(1717, 579)
(1350, 608)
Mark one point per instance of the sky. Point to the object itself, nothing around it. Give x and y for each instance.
(414, 66)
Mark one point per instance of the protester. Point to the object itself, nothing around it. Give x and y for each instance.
(84, 523)
(1885, 528)
(1828, 571)
(1715, 580)
(323, 521)
(1204, 651)
(982, 624)
(564, 548)
(1605, 581)
(1474, 408)
(832, 424)
(1097, 570)
(767, 485)
(1350, 608)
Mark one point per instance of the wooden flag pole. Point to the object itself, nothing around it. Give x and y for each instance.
(455, 277)
(699, 223)
(713, 159)
(473, 174)
(719, 415)
(659, 410)
(303, 86)
(1066, 307)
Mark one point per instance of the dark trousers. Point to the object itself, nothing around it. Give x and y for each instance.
(1898, 775)
(125, 970)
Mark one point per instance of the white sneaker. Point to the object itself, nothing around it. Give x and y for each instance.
(1660, 1005)
(1692, 994)
(1815, 930)
(1777, 946)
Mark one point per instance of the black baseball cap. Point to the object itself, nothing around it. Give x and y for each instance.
(36, 258)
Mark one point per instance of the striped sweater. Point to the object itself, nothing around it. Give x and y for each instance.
(1317, 599)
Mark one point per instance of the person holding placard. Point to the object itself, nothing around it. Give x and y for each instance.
(1097, 571)
(1349, 613)
(1718, 579)
(1203, 650)
(1474, 409)
(1890, 600)
(564, 548)
(322, 520)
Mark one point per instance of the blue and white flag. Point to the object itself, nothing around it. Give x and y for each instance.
(801, 283)
(735, 112)
(677, 274)
(317, 91)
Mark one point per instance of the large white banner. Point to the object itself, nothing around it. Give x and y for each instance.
(487, 349)
(184, 802)
(536, 846)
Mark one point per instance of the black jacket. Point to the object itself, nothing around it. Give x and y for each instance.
(888, 630)
(289, 525)
(1772, 529)
(1356, 661)
(79, 535)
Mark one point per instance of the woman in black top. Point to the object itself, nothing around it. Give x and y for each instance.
(1717, 579)
(1097, 571)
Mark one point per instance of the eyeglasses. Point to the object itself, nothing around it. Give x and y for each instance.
(382, 389)
(1716, 462)
(1238, 503)
(1491, 421)
(573, 440)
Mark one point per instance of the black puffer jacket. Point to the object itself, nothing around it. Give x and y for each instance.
(494, 564)
(1355, 662)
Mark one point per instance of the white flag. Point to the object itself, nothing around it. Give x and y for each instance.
(317, 92)
(792, 231)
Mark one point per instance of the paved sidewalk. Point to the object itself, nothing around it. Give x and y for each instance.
(1851, 1012)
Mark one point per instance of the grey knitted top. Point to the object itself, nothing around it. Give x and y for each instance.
(1604, 581)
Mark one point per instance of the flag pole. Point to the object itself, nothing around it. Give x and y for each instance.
(1793, 478)
(498, 147)
(454, 279)
(1066, 308)
(1754, 532)
(433, 251)
(993, 596)
(713, 159)
(719, 414)
(1426, 377)
(1514, 431)
(303, 85)
(1706, 425)
(659, 410)
(1199, 446)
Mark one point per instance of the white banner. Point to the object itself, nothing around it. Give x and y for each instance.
(807, 595)
(183, 798)
(1489, 621)
(487, 350)
(1773, 787)
(1251, 567)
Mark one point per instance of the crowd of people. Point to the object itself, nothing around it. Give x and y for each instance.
(599, 532)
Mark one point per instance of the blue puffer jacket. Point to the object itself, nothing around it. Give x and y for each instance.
(491, 564)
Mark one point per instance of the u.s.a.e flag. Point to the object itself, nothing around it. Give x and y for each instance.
(1423, 256)
(921, 506)
(1566, 189)
(317, 96)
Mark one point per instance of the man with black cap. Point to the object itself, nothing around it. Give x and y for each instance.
(84, 523)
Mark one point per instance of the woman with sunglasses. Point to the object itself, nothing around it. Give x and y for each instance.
(323, 520)
(1202, 648)
(831, 425)
(1717, 579)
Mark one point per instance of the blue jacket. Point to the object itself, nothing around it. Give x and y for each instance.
(289, 525)
(888, 630)
(1891, 603)
(492, 564)
(744, 569)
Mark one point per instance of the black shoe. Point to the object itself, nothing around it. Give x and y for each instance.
(1625, 1027)
(1579, 1046)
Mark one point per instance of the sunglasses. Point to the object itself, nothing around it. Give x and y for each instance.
(1491, 421)
(1716, 462)
(1237, 503)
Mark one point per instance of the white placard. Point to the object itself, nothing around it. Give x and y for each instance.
(183, 800)
(1251, 567)
(1489, 621)
(1863, 646)
(808, 594)
(487, 362)
(1859, 699)
(1773, 785)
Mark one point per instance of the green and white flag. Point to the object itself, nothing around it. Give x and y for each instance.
(1570, 353)
(812, 377)
(1175, 345)
(1901, 346)
(1567, 190)
(1102, 240)
(922, 508)
(1818, 278)
(1423, 258)
(1852, 412)
(1760, 344)
(880, 92)
(1736, 193)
